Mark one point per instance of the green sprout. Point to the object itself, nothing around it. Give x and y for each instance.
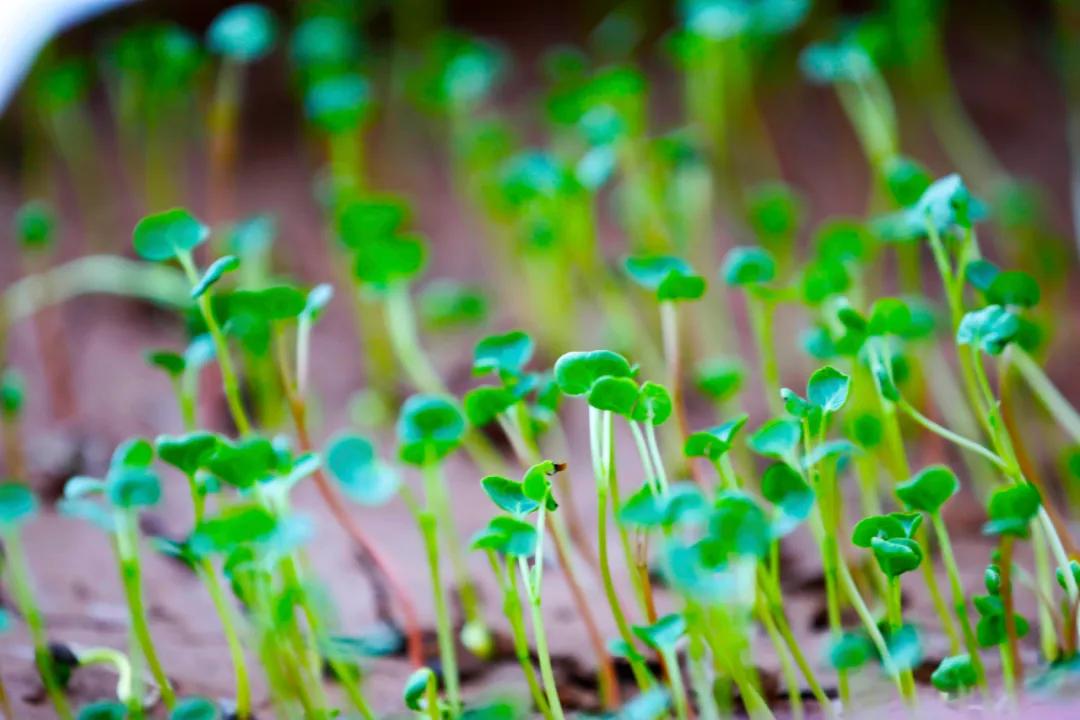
(114, 504)
(517, 540)
(17, 507)
(429, 429)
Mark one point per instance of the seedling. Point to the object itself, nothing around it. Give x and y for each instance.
(17, 507)
(513, 537)
(429, 429)
(240, 35)
(130, 486)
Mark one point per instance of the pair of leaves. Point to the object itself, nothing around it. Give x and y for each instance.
(576, 372)
(522, 498)
(715, 442)
(621, 395)
(429, 428)
(891, 539)
(670, 278)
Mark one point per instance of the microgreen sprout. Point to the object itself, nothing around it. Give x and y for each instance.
(18, 506)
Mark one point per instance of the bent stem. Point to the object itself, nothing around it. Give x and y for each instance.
(533, 583)
(124, 680)
(22, 590)
(295, 398)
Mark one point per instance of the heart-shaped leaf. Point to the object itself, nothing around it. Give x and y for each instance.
(508, 495)
(929, 489)
(663, 634)
(187, 453)
(1011, 510)
(896, 557)
(575, 372)
(483, 404)
(778, 438)
(989, 329)
(506, 354)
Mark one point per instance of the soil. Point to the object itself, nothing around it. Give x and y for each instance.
(1010, 92)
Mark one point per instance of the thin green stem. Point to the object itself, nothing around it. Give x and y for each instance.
(1051, 398)
(543, 656)
(512, 609)
(22, 590)
(760, 311)
(229, 380)
(127, 542)
(952, 437)
(959, 597)
(232, 639)
(445, 632)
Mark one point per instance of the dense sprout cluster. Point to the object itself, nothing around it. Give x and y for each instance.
(713, 432)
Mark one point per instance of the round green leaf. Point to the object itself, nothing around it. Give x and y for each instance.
(739, 526)
(575, 372)
(102, 710)
(35, 224)
(507, 535)
(17, 504)
(828, 389)
(748, 266)
(484, 404)
(615, 394)
(876, 526)
(171, 363)
(1011, 510)
(775, 211)
(165, 235)
(653, 404)
(339, 103)
(242, 463)
(12, 394)
(896, 557)
(989, 329)
(195, 708)
(954, 675)
(784, 487)
(777, 438)
(244, 32)
(507, 354)
(429, 428)
(280, 302)
(928, 489)
(130, 486)
(850, 652)
(351, 460)
(233, 527)
(447, 304)
(1014, 287)
(719, 379)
